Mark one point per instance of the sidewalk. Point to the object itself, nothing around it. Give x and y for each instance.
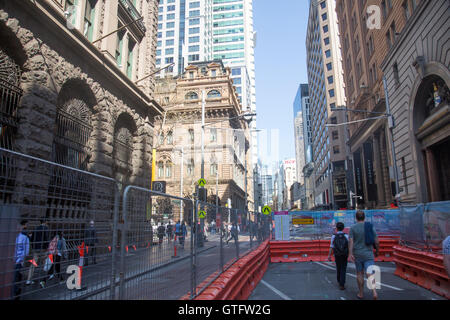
(96, 278)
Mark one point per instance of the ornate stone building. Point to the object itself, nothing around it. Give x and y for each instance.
(226, 139)
(364, 48)
(75, 90)
(418, 80)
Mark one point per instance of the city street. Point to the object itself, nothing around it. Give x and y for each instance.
(317, 281)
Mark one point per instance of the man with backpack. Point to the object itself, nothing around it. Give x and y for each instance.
(362, 240)
(339, 245)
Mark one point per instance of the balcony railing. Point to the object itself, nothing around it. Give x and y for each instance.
(134, 13)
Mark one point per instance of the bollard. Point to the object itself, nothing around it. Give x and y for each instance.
(80, 266)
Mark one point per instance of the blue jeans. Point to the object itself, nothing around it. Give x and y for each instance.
(363, 265)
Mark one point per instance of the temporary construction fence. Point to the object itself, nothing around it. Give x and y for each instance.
(425, 226)
(315, 225)
(88, 237)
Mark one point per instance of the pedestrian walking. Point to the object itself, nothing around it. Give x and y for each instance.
(161, 231)
(22, 249)
(183, 234)
(39, 245)
(234, 230)
(213, 227)
(339, 246)
(59, 252)
(362, 240)
(90, 241)
(169, 231)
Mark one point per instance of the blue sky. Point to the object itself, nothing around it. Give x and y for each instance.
(280, 56)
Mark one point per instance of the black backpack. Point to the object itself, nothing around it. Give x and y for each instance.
(340, 244)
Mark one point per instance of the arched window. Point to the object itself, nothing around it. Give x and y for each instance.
(10, 94)
(168, 170)
(123, 148)
(73, 130)
(160, 169)
(214, 94)
(190, 168)
(191, 96)
(170, 137)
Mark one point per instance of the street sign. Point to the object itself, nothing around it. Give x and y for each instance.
(159, 186)
(202, 214)
(202, 182)
(302, 221)
(267, 210)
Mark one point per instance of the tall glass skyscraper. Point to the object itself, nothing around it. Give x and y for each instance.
(204, 30)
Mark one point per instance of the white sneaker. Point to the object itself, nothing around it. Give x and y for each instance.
(29, 282)
(51, 277)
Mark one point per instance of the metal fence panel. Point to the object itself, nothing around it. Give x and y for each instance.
(57, 203)
(155, 261)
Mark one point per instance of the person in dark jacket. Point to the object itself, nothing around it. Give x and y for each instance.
(90, 240)
(39, 246)
(161, 231)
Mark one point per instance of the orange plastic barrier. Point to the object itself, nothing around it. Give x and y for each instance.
(425, 269)
(239, 281)
(317, 250)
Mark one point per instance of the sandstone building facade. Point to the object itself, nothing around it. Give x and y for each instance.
(418, 80)
(77, 92)
(226, 137)
(365, 45)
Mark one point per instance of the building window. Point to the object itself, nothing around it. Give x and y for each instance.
(335, 135)
(160, 169)
(131, 45)
(170, 137)
(190, 168)
(214, 94)
(213, 135)
(168, 170)
(119, 47)
(213, 169)
(191, 96)
(330, 80)
(89, 18)
(336, 150)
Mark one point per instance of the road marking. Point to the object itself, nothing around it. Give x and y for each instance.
(278, 292)
(352, 275)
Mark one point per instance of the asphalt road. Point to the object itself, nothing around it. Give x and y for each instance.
(317, 281)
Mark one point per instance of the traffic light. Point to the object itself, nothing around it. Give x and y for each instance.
(202, 194)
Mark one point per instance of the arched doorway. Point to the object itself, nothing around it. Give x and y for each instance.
(431, 127)
(70, 191)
